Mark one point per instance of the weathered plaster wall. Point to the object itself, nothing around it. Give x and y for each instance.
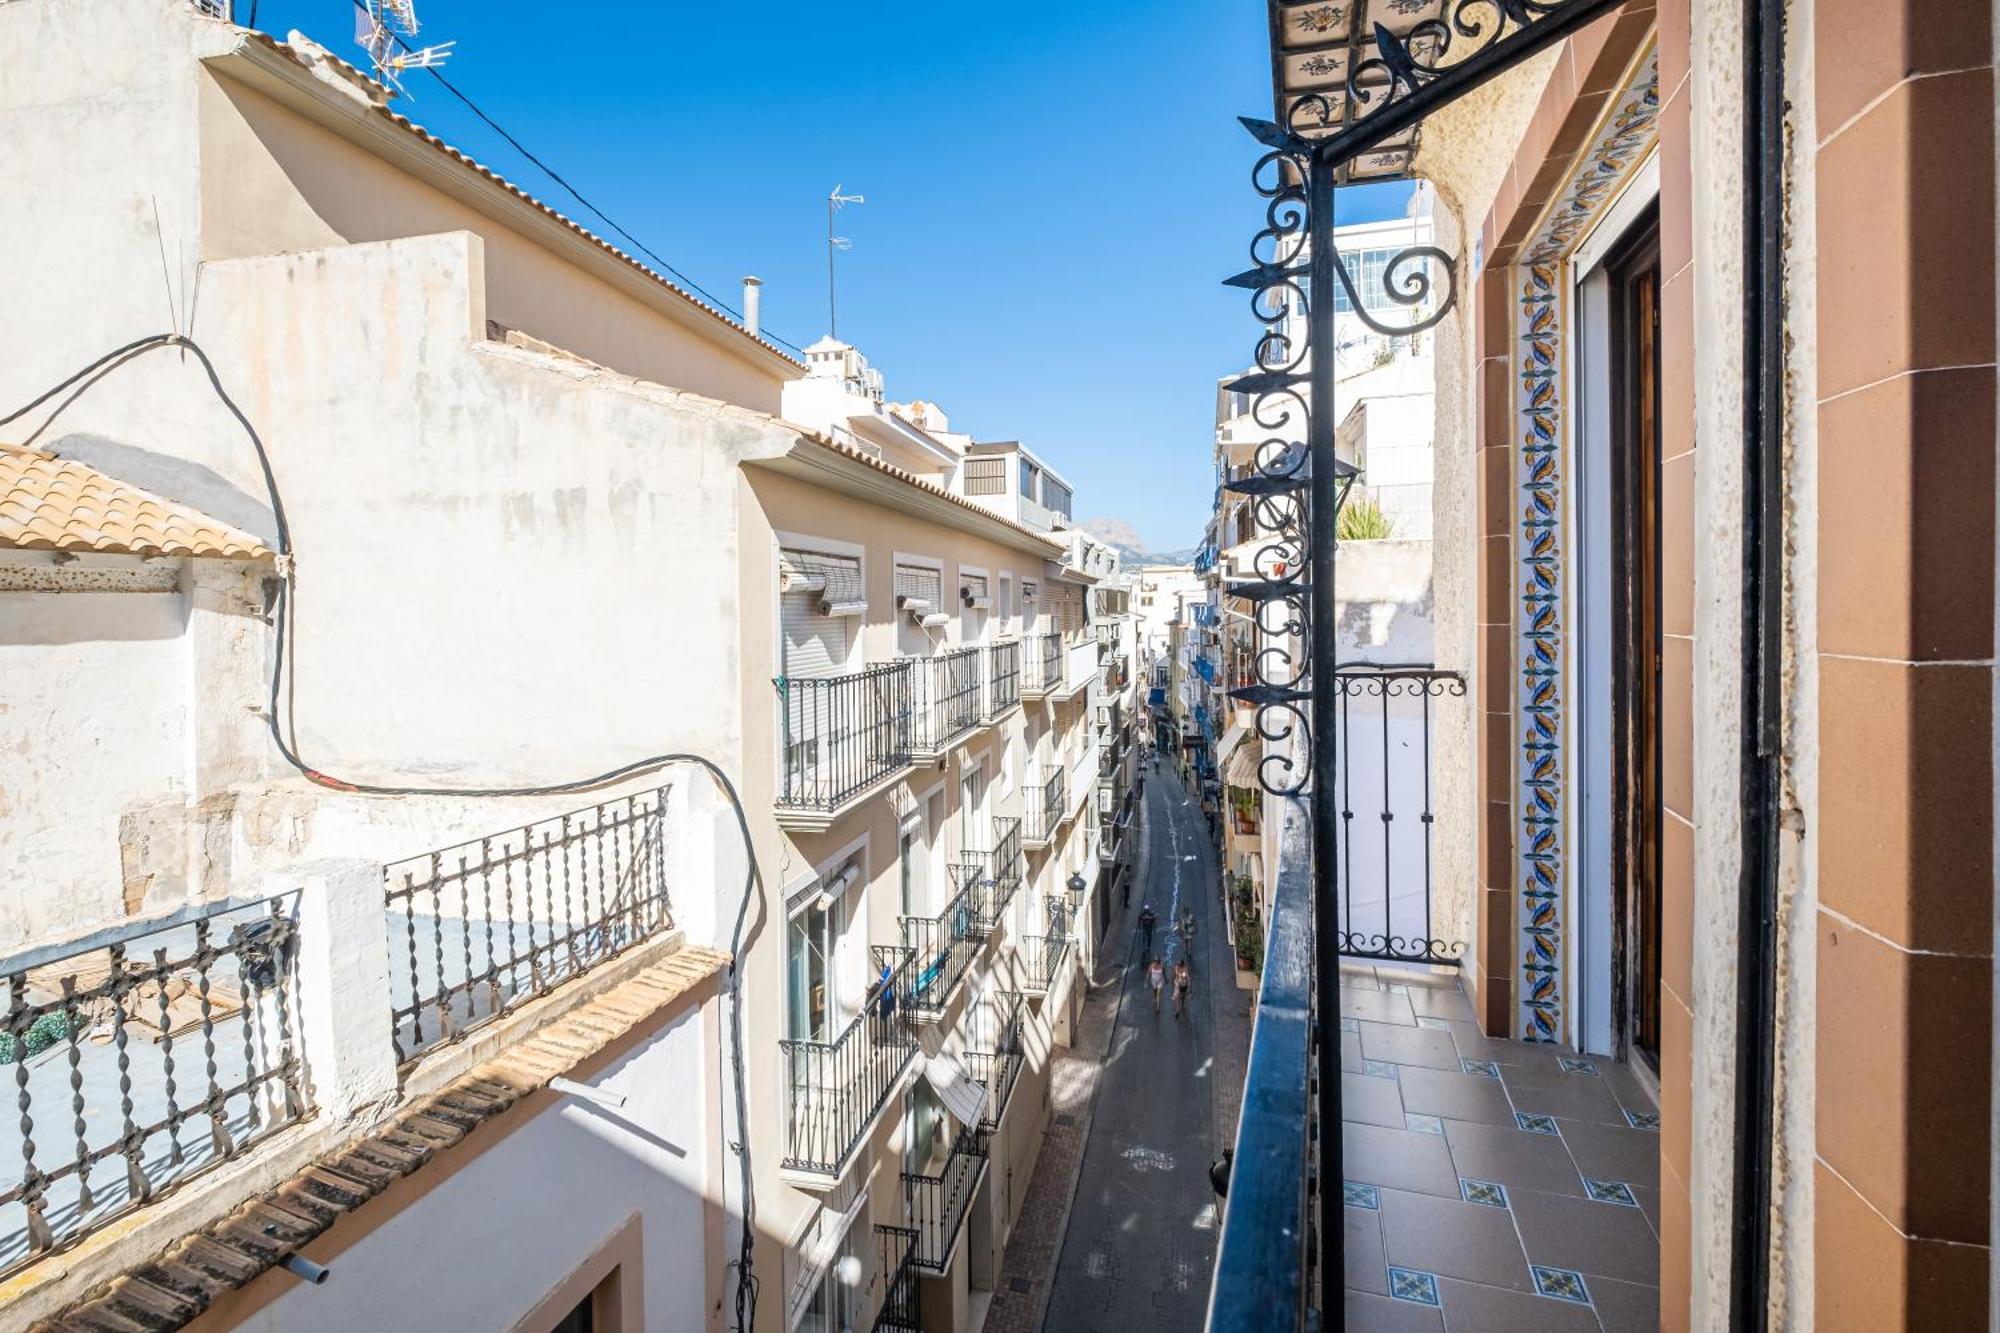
(1385, 601)
(1467, 149)
(588, 1170)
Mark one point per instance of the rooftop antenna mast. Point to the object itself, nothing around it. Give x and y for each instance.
(834, 203)
(384, 28)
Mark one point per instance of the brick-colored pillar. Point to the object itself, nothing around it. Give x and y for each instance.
(1904, 99)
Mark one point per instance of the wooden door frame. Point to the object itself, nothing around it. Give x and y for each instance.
(1636, 830)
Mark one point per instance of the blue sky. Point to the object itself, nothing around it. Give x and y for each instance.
(1054, 191)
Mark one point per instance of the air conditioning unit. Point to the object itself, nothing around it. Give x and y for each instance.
(977, 601)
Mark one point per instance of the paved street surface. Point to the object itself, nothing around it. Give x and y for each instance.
(1142, 1227)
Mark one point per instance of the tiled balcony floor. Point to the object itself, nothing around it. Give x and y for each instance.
(1493, 1186)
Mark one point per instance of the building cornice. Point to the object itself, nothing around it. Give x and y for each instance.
(822, 462)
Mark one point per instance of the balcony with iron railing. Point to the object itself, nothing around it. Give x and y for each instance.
(998, 1070)
(937, 1202)
(942, 947)
(896, 1249)
(837, 1087)
(1003, 677)
(1079, 668)
(946, 700)
(1043, 801)
(1005, 865)
(478, 929)
(1040, 957)
(143, 1061)
(1042, 665)
(841, 736)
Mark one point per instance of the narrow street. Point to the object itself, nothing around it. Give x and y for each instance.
(1143, 1224)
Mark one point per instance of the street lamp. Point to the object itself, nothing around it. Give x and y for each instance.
(1076, 885)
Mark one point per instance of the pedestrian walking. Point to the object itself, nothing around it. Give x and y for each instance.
(1156, 977)
(1181, 977)
(1146, 923)
(1185, 929)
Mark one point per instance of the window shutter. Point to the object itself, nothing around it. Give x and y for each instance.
(919, 583)
(816, 644)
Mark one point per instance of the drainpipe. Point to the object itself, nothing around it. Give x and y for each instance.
(753, 291)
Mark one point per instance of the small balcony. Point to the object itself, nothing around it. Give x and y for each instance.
(895, 1249)
(842, 736)
(1003, 677)
(837, 1087)
(1041, 666)
(1079, 668)
(1005, 864)
(945, 701)
(1042, 807)
(999, 1069)
(943, 946)
(1041, 961)
(144, 1060)
(479, 929)
(938, 1202)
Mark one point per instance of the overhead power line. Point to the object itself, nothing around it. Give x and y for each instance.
(597, 212)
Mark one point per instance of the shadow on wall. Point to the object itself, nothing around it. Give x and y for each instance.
(174, 479)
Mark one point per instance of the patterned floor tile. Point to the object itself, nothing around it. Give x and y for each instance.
(1424, 1124)
(1358, 1195)
(1572, 1065)
(1643, 1120)
(1378, 1069)
(1483, 1068)
(1610, 1191)
(1558, 1284)
(1491, 1193)
(1408, 1284)
(1535, 1124)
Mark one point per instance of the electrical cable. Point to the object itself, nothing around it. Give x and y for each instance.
(96, 371)
(577, 195)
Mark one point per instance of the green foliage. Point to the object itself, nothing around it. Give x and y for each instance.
(43, 1033)
(1249, 938)
(1362, 520)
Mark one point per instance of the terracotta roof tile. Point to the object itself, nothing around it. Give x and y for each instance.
(173, 1289)
(58, 504)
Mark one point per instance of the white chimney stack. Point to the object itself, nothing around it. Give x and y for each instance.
(752, 291)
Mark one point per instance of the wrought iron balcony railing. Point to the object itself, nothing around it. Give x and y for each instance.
(943, 946)
(1041, 961)
(1042, 807)
(999, 1069)
(1382, 743)
(1042, 665)
(937, 1203)
(1003, 676)
(838, 1086)
(142, 1063)
(842, 734)
(478, 929)
(945, 701)
(896, 1249)
(1006, 862)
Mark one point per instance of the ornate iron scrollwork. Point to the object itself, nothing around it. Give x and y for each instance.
(1276, 479)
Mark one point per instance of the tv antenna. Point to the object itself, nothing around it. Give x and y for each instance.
(385, 29)
(834, 203)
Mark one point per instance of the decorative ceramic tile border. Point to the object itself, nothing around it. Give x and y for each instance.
(1620, 145)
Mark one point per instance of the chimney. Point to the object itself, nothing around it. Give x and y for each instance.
(752, 291)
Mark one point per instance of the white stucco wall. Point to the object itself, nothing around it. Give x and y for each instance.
(492, 1239)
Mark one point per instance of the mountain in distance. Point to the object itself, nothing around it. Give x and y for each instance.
(1117, 532)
